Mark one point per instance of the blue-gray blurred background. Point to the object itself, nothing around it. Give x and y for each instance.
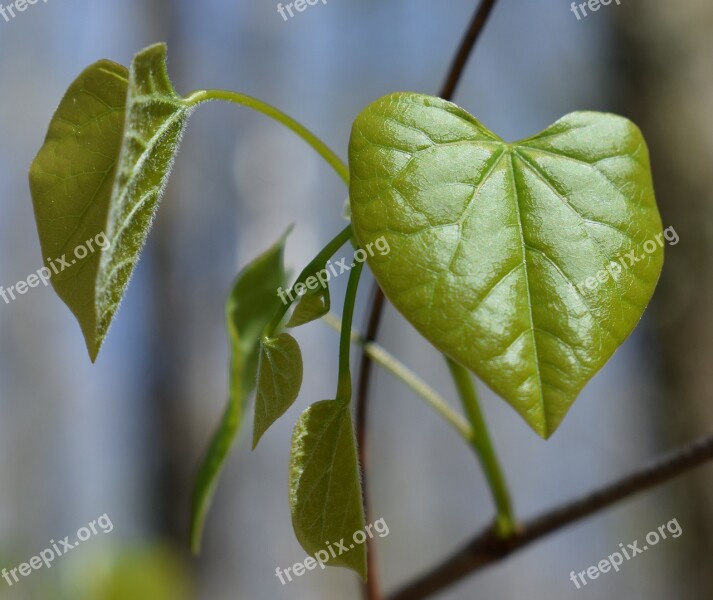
(124, 436)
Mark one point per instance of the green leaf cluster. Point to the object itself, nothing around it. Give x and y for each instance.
(493, 248)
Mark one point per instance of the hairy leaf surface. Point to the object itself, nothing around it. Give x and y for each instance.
(325, 488)
(102, 170)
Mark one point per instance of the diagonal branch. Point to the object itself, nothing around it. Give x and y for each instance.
(465, 50)
(486, 549)
(371, 588)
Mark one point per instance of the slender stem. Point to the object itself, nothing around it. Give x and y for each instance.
(378, 300)
(344, 382)
(371, 588)
(505, 523)
(391, 364)
(485, 549)
(315, 265)
(480, 18)
(199, 96)
(327, 153)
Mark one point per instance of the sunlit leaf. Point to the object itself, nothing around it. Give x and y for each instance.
(493, 243)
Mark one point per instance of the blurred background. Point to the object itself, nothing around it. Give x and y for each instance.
(124, 436)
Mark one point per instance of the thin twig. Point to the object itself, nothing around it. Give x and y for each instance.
(371, 589)
(466, 48)
(486, 548)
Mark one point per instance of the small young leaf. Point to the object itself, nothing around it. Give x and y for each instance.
(312, 306)
(279, 378)
(325, 487)
(495, 245)
(102, 170)
(250, 306)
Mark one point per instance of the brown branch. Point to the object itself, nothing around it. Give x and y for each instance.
(371, 589)
(486, 549)
(466, 48)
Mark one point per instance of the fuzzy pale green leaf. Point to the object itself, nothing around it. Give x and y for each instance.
(279, 378)
(102, 170)
(325, 487)
(250, 306)
(492, 243)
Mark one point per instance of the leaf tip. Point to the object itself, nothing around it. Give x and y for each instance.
(257, 436)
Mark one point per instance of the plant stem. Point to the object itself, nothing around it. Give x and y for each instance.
(505, 524)
(344, 381)
(477, 24)
(315, 265)
(391, 364)
(371, 588)
(465, 51)
(325, 152)
(484, 549)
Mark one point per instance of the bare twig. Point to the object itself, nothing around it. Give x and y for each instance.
(486, 548)
(466, 48)
(371, 588)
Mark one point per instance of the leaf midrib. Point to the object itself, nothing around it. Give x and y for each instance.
(523, 246)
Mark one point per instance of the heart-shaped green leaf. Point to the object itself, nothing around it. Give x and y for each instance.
(101, 171)
(279, 378)
(325, 487)
(496, 247)
(250, 306)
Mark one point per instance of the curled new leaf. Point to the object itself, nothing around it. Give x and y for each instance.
(325, 488)
(509, 257)
(251, 305)
(101, 172)
(310, 307)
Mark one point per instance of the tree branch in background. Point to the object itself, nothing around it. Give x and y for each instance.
(466, 48)
(371, 590)
(486, 548)
(371, 587)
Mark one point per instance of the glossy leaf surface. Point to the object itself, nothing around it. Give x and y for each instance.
(495, 245)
